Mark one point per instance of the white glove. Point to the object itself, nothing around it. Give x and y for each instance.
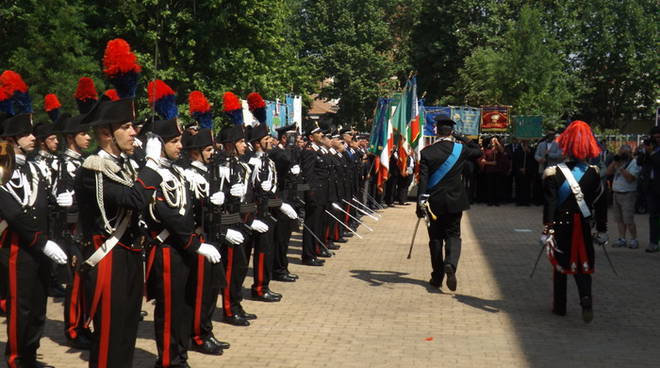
(258, 226)
(288, 211)
(54, 252)
(234, 237)
(237, 190)
(601, 238)
(295, 169)
(223, 172)
(65, 199)
(549, 241)
(266, 185)
(217, 198)
(154, 148)
(210, 252)
(255, 161)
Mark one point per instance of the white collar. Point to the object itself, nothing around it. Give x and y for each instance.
(200, 165)
(20, 159)
(71, 153)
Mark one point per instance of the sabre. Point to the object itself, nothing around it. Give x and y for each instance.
(314, 235)
(374, 201)
(344, 225)
(607, 255)
(361, 210)
(364, 208)
(537, 261)
(413, 238)
(338, 207)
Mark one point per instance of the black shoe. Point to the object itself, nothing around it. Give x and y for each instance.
(246, 315)
(272, 292)
(207, 347)
(266, 297)
(222, 344)
(451, 277)
(293, 276)
(324, 253)
(348, 235)
(142, 315)
(340, 240)
(559, 312)
(435, 283)
(237, 320)
(283, 278)
(312, 262)
(587, 309)
(333, 246)
(81, 342)
(42, 365)
(56, 291)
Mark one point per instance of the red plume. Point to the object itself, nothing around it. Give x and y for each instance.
(231, 102)
(198, 102)
(158, 89)
(578, 141)
(112, 94)
(118, 58)
(86, 89)
(51, 102)
(255, 101)
(12, 82)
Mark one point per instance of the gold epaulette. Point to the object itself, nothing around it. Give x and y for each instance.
(100, 164)
(549, 171)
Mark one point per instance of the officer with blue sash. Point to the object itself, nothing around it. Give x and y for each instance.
(442, 198)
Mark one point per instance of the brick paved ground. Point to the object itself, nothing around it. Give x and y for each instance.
(369, 306)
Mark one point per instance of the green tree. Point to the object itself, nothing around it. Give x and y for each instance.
(527, 71)
(46, 43)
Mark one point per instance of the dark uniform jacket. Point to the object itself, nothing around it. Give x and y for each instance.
(566, 219)
(28, 222)
(316, 172)
(448, 196)
(116, 196)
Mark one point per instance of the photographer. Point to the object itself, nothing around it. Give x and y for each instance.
(650, 183)
(624, 186)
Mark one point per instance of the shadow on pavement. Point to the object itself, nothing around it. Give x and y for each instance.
(379, 278)
(492, 306)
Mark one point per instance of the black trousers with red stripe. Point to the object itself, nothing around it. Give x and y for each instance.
(261, 248)
(315, 221)
(76, 311)
(27, 274)
(170, 284)
(209, 279)
(114, 290)
(236, 267)
(282, 236)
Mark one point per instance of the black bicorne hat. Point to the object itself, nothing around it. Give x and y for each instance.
(258, 132)
(17, 125)
(203, 138)
(230, 134)
(43, 130)
(110, 112)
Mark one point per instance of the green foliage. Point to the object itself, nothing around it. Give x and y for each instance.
(525, 71)
(597, 59)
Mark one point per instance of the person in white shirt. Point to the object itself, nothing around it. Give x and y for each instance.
(624, 186)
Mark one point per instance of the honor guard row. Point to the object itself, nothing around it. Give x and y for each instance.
(176, 215)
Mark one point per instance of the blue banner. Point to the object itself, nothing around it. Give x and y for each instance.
(467, 119)
(289, 110)
(430, 113)
(270, 115)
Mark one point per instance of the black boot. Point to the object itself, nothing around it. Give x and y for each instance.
(587, 309)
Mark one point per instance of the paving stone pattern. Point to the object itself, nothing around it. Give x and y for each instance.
(371, 307)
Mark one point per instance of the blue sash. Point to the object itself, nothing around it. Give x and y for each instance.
(445, 167)
(565, 190)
